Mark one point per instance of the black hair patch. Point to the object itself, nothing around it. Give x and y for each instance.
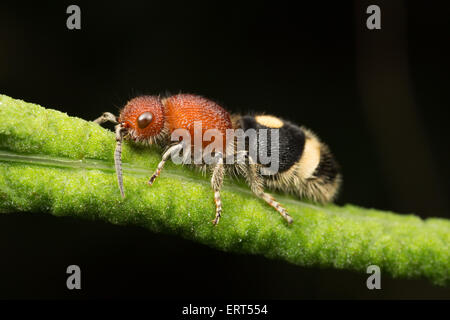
(328, 168)
(291, 141)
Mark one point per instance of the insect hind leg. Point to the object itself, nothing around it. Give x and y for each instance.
(256, 184)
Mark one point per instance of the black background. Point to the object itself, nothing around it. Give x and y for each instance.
(378, 98)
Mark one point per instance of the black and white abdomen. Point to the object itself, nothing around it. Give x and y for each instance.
(306, 167)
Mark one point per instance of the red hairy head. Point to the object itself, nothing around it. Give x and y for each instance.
(143, 116)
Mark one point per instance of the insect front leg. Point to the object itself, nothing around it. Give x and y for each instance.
(106, 117)
(173, 149)
(216, 184)
(256, 184)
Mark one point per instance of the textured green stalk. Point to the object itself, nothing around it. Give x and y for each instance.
(50, 162)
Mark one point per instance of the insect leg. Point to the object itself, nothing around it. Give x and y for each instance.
(256, 184)
(176, 148)
(216, 184)
(105, 117)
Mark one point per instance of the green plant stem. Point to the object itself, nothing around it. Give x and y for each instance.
(50, 162)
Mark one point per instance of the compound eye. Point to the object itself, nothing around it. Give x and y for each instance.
(144, 120)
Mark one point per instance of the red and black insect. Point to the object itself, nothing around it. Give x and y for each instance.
(307, 167)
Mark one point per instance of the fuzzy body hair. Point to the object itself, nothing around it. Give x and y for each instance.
(313, 176)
